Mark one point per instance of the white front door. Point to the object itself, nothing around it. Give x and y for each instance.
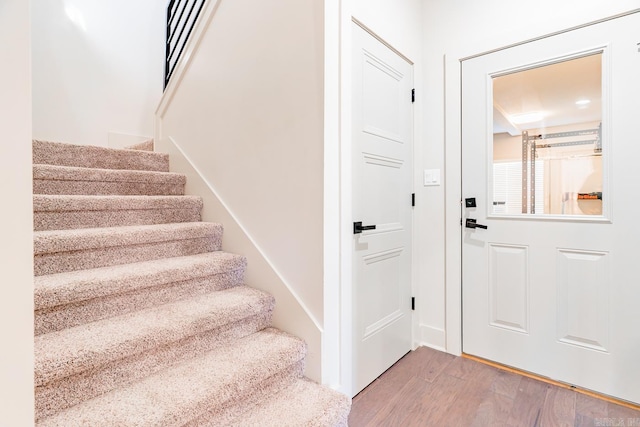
(382, 150)
(551, 144)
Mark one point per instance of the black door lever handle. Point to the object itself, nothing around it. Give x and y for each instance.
(471, 223)
(358, 227)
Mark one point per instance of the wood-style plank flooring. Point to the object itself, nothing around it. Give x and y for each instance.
(431, 388)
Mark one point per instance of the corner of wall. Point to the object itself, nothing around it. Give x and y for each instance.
(16, 252)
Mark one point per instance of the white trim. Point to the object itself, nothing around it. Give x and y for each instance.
(555, 33)
(434, 337)
(380, 39)
(332, 346)
(453, 205)
(346, 212)
(453, 180)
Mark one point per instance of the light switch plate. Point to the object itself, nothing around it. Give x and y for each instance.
(431, 177)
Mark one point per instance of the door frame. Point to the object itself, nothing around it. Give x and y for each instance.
(453, 177)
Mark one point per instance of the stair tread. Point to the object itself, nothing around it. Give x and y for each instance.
(91, 345)
(76, 173)
(181, 393)
(60, 153)
(63, 288)
(303, 403)
(54, 203)
(52, 241)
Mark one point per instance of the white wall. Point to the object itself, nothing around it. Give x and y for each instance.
(248, 114)
(453, 30)
(98, 67)
(16, 251)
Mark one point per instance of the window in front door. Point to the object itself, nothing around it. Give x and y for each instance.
(547, 119)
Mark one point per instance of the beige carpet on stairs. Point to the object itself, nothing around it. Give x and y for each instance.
(140, 318)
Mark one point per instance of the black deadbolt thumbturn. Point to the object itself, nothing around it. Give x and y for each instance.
(358, 227)
(470, 202)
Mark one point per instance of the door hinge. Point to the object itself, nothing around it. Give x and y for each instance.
(413, 95)
(413, 199)
(413, 303)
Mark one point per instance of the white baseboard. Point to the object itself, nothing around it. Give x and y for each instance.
(432, 337)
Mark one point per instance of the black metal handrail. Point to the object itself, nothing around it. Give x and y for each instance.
(182, 16)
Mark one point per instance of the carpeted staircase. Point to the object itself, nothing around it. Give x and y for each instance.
(140, 318)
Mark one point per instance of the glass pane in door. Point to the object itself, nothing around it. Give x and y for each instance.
(547, 139)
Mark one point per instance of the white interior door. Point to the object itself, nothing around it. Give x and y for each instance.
(382, 150)
(555, 290)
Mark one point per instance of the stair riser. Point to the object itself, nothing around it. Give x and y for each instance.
(76, 350)
(67, 220)
(104, 188)
(70, 315)
(97, 157)
(223, 414)
(50, 263)
(59, 395)
(70, 288)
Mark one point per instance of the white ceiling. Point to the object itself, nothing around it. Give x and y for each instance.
(551, 90)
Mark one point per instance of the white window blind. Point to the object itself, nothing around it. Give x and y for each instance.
(507, 187)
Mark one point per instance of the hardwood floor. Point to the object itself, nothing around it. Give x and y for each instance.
(431, 388)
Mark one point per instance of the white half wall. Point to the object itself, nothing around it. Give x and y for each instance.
(454, 30)
(98, 67)
(16, 251)
(247, 115)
